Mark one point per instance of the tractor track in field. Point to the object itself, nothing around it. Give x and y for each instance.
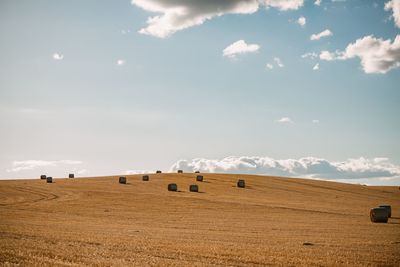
(43, 196)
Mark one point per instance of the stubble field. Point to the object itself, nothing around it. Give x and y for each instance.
(273, 221)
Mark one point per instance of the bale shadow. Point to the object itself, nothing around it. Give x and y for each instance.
(393, 222)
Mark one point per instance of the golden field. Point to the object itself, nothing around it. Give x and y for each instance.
(273, 221)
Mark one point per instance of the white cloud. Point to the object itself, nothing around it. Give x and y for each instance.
(318, 36)
(316, 67)
(269, 66)
(131, 172)
(307, 167)
(176, 15)
(278, 62)
(284, 4)
(284, 120)
(57, 56)
(394, 5)
(238, 48)
(317, 2)
(121, 62)
(315, 121)
(301, 21)
(35, 164)
(311, 55)
(376, 55)
(329, 56)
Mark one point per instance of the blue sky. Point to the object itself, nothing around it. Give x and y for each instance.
(89, 87)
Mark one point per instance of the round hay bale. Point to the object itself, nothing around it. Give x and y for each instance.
(241, 183)
(122, 180)
(197, 172)
(43, 177)
(194, 188)
(145, 178)
(180, 171)
(199, 178)
(71, 175)
(49, 179)
(158, 171)
(172, 187)
(389, 209)
(379, 215)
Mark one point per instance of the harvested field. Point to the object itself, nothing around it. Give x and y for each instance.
(273, 221)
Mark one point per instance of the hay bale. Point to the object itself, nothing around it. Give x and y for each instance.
(122, 180)
(145, 178)
(389, 209)
(379, 215)
(199, 178)
(43, 177)
(180, 171)
(49, 179)
(172, 187)
(71, 175)
(197, 172)
(158, 171)
(194, 188)
(241, 183)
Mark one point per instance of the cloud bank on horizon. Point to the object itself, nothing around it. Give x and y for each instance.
(307, 167)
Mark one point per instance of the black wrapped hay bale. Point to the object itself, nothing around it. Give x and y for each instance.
(379, 215)
(158, 171)
(180, 171)
(241, 183)
(389, 209)
(194, 188)
(122, 180)
(43, 177)
(197, 172)
(71, 175)
(145, 178)
(49, 179)
(172, 187)
(199, 178)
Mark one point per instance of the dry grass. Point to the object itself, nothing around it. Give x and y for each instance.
(273, 221)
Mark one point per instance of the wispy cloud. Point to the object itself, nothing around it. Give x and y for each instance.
(121, 62)
(284, 120)
(316, 67)
(239, 48)
(24, 165)
(320, 35)
(311, 55)
(130, 172)
(317, 2)
(58, 56)
(307, 167)
(278, 62)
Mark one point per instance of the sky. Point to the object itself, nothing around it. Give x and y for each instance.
(280, 87)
